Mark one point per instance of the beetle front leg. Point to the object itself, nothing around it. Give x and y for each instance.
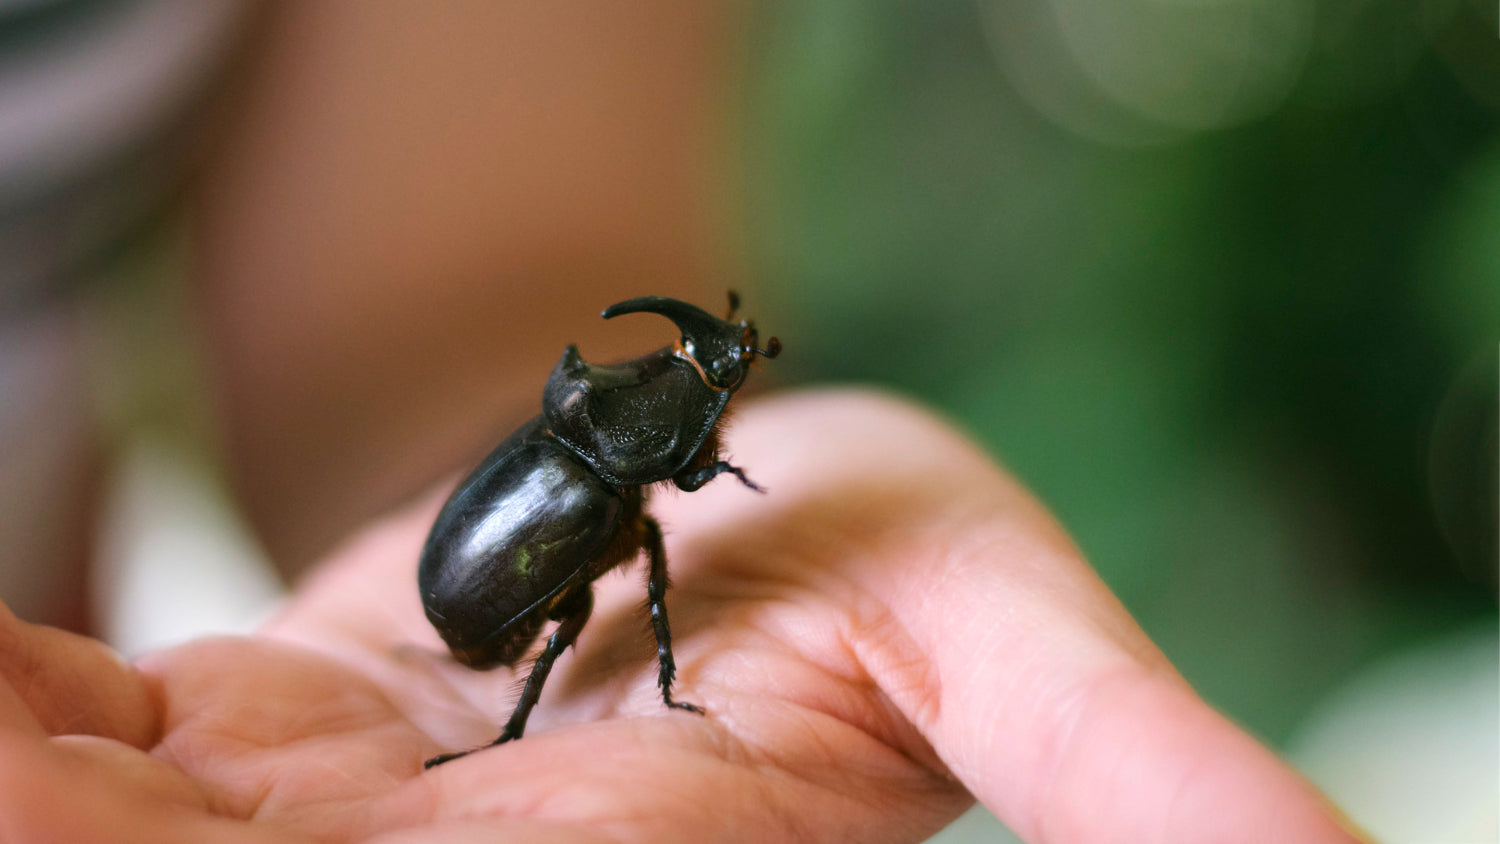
(574, 616)
(656, 591)
(693, 479)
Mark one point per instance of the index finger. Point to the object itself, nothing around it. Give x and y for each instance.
(1029, 679)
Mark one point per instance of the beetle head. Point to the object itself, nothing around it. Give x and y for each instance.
(720, 350)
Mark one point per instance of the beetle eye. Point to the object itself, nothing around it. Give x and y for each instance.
(725, 371)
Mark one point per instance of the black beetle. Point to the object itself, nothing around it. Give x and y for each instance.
(561, 501)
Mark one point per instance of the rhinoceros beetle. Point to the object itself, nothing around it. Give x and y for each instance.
(562, 501)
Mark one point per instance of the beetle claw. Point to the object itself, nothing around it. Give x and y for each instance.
(439, 759)
(688, 707)
(446, 757)
(749, 483)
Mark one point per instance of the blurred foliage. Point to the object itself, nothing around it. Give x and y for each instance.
(1249, 364)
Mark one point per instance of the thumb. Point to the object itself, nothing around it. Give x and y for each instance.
(72, 684)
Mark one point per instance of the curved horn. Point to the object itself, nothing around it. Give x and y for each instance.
(703, 334)
(686, 315)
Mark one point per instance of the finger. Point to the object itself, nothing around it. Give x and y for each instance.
(16, 715)
(91, 789)
(72, 684)
(994, 638)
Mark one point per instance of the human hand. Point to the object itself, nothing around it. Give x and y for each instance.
(895, 627)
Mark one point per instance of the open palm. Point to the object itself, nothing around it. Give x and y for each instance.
(894, 628)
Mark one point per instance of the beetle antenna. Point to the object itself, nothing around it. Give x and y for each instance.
(734, 305)
(772, 349)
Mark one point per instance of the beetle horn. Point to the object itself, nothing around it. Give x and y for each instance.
(704, 335)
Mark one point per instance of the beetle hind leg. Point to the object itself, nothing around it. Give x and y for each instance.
(574, 615)
(656, 592)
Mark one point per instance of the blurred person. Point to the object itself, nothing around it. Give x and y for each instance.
(97, 134)
(406, 211)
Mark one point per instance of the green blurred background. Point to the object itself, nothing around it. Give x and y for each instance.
(1220, 281)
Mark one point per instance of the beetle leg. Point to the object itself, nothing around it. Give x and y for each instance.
(574, 616)
(656, 591)
(694, 479)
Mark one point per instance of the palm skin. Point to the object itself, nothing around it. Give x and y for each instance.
(896, 627)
